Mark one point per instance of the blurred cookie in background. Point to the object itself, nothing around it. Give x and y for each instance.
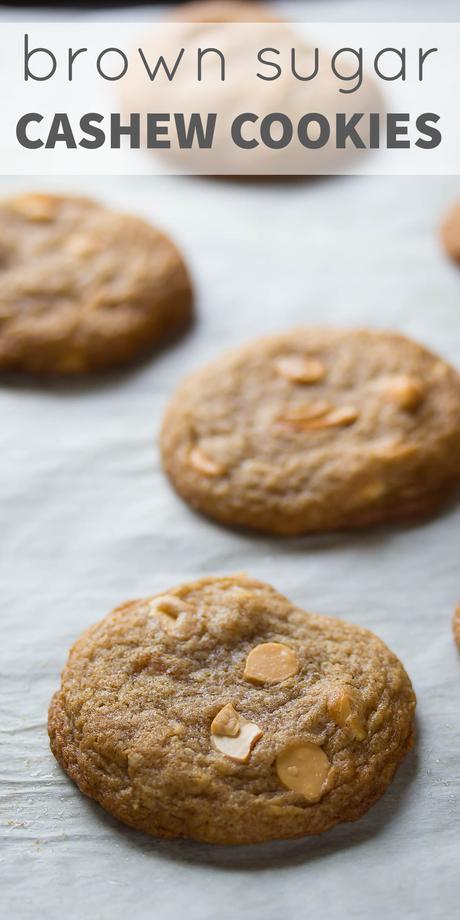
(84, 288)
(247, 93)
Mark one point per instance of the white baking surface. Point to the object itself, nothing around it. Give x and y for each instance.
(87, 520)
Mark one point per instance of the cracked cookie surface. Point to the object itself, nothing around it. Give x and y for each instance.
(83, 288)
(258, 721)
(317, 429)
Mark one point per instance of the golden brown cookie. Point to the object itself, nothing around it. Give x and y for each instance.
(456, 625)
(222, 712)
(450, 233)
(317, 429)
(83, 288)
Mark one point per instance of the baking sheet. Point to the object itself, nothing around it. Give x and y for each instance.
(87, 520)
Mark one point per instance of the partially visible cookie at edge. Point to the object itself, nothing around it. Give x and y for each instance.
(220, 711)
(82, 287)
(450, 233)
(316, 429)
(456, 625)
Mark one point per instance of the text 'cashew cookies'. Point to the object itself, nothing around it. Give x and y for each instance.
(317, 429)
(82, 287)
(222, 712)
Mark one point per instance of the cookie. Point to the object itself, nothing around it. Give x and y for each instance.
(284, 137)
(83, 288)
(456, 625)
(450, 233)
(314, 430)
(220, 711)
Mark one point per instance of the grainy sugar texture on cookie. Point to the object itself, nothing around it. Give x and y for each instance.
(220, 711)
(83, 288)
(317, 429)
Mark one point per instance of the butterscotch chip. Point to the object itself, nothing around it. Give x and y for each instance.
(84, 288)
(84, 246)
(271, 662)
(336, 418)
(178, 618)
(456, 625)
(369, 493)
(346, 415)
(377, 440)
(404, 391)
(344, 709)
(172, 739)
(305, 412)
(34, 207)
(238, 747)
(226, 722)
(300, 369)
(303, 768)
(202, 463)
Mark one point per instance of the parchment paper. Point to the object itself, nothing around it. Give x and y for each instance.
(88, 520)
